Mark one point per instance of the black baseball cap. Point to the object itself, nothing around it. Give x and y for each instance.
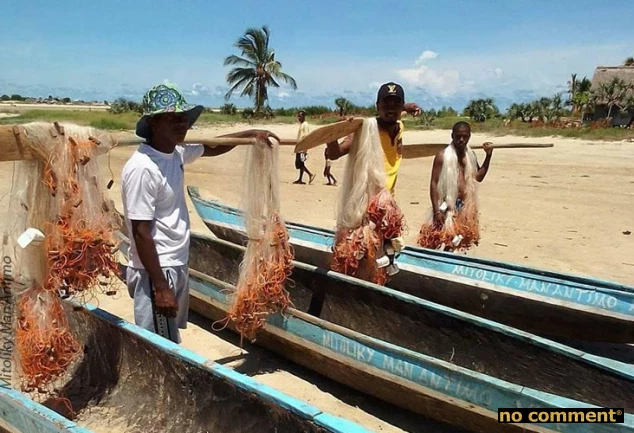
(390, 89)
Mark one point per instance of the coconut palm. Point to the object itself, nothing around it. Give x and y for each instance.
(257, 69)
(343, 105)
(612, 93)
(572, 89)
(584, 85)
(481, 109)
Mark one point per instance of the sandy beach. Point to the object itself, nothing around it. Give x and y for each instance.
(563, 208)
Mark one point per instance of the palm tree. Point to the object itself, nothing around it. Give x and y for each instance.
(612, 93)
(343, 105)
(481, 109)
(257, 69)
(572, 89)
(629, 61)
(584, 85)
(579, 91)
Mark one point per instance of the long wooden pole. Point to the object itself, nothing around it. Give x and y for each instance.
(193, 137)
(15, 144)
(413, 151)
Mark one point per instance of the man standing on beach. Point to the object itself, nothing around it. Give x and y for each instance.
(453, 223)
(390, 104)
(301, 157)
(156, 212)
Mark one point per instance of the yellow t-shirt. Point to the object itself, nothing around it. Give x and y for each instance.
(391, 155)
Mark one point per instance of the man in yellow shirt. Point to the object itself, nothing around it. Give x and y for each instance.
(390, 103)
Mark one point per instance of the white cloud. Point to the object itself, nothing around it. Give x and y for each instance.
(199, 89)
(436, 81)
(441, 82)
(282, 94)
(427, 55)
(498, 72)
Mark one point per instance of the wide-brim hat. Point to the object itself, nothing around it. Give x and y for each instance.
(165, 99)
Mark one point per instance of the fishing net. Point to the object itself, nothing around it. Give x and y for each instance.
(368, 216)
(59, 195)
(460, 228)
(267, 262)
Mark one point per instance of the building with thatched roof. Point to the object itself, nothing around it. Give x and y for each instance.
(603, 75)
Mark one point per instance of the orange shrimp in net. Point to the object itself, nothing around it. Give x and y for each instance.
(261, 289)
(44, 342)
(77, 255)
(360, 247)
(433, 237)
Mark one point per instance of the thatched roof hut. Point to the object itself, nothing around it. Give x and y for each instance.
(605, 74)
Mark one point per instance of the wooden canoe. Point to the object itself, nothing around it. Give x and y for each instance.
(542, 302)
(133, 381)
(441, 363)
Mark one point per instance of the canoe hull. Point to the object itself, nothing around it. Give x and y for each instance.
(368, 380)
(417, 382)
(420, 383)
(540, 302)
(131, 380)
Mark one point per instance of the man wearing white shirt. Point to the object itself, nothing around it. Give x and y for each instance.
(301, 157)
(155, 209)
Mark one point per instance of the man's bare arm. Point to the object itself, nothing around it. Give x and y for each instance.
(336, 150)
(146, 248)
(482, 171)
(434, 194)
(251, 133)
(412, 108)
(217, 150)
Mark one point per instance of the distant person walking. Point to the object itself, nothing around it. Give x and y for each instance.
(301, 157)
(329, 177)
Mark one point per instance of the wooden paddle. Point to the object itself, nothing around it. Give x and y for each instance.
(412, 151)
(328, 133)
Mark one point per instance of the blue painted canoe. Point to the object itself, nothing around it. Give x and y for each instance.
(542, 302)
(20, 414)
(439, 362)
(131, 380)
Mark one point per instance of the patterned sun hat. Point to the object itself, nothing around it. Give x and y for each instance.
(161, 99)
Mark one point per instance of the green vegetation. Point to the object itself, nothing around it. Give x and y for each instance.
(479, 110)
(80, 117)
(498, 127)
(126, 120)
(441, 119)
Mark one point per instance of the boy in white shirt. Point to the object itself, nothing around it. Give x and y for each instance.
(155, 209)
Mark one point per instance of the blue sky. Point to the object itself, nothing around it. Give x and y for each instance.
(443, 52)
